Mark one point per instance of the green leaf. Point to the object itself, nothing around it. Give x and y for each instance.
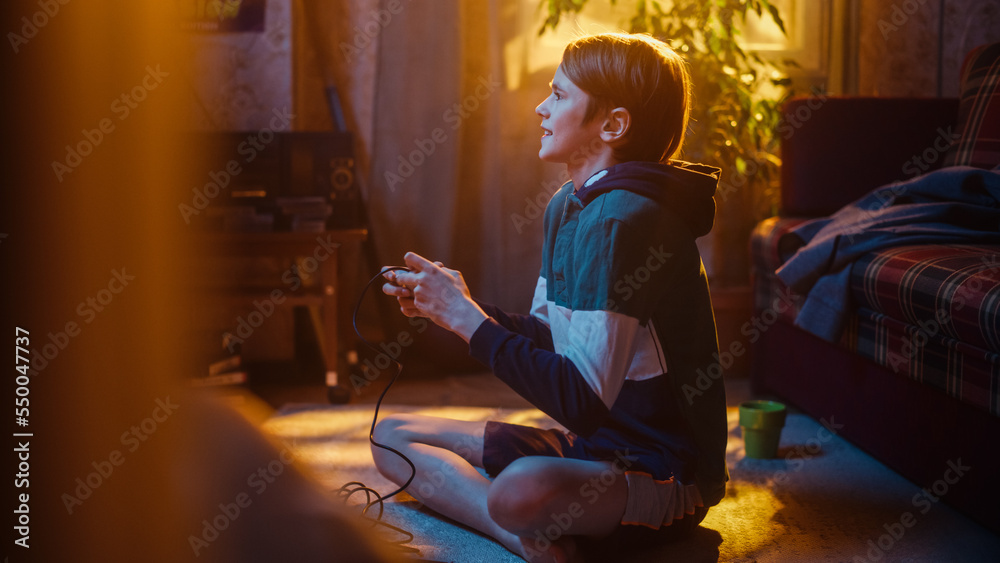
(711, 31)
(776, 16)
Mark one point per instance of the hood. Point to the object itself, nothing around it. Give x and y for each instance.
(685, 188)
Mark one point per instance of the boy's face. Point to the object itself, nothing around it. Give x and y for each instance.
(566, 138)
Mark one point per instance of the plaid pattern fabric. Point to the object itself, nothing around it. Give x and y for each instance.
(953, 290)
(979, 110)
(961, 370)
(764, 239)
(765, 258)
(930, 312)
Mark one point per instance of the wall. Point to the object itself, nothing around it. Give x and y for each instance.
(903, 50)
(239, 79)
(337, 43)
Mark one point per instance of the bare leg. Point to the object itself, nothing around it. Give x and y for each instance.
(445, 453)
(533, 507)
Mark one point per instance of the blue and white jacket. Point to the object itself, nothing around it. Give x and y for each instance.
(621, 323)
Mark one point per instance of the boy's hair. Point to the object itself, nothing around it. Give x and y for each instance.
(642, 75)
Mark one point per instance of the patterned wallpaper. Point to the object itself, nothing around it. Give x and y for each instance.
(239, 80)
(900, 39)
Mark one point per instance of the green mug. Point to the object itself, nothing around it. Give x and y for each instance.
(762, 422)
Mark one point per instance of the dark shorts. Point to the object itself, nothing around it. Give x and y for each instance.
(503, 443)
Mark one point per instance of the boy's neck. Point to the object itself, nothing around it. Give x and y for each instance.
(582, 172)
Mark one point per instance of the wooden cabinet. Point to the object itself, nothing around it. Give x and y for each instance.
(330, 257)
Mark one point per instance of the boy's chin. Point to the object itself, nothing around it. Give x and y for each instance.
(545, 156)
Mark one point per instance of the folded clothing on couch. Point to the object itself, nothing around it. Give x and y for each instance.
(956, 205)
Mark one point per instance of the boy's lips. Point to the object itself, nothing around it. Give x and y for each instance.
(546, 132)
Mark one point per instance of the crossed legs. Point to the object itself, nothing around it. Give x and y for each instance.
(520, 507)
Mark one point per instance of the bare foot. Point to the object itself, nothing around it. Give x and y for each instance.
(562, 550)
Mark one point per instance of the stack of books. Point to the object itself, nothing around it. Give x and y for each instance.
(305, 213)
(239, 219)
(224, 372)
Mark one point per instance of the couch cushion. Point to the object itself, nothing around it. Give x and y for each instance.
(979, 110)
(952, 290)
(961, 370)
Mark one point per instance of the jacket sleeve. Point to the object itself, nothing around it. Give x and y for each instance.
(550, 381)
(598, 311)
(535, 325)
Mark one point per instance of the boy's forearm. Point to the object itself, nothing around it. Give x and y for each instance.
(466, 323)
(547, 380)
(525, 325)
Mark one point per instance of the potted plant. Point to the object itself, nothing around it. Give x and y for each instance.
(736, 111)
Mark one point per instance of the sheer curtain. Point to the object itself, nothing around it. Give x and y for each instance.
(440, 96)
(455, 142)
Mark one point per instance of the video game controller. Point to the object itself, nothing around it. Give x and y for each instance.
(393, 269)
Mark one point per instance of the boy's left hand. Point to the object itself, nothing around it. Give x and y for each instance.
(440, 294)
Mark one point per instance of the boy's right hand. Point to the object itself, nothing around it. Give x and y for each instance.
(396, 289)
(403, 294)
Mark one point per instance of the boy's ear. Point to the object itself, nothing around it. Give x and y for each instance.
(616, 125)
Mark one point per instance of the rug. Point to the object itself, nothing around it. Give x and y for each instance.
(821, 500)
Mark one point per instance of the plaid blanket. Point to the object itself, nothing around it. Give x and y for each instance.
(956, 205)
(930, 312)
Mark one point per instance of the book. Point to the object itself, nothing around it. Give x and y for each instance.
(226, 364)
(220, 380)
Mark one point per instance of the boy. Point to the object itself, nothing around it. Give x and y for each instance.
(620, 323)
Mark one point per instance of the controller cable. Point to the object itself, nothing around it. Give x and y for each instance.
(372, 497)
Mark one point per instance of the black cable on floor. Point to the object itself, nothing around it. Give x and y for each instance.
(372, 497)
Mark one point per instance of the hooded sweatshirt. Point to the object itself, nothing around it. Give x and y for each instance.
(621, 324)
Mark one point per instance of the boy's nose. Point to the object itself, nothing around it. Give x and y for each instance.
(541, 110)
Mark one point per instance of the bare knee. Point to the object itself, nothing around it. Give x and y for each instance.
(403, 428)
(520, 497)
(394, 431)
(391, 428)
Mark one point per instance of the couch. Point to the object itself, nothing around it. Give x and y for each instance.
(913, 377)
